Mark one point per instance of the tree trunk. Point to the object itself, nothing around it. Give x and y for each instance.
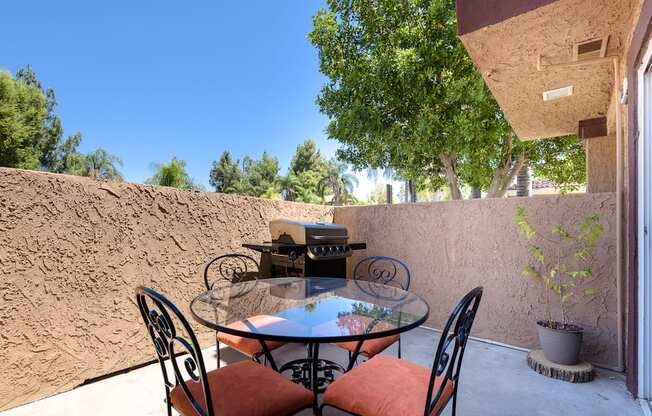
(406, 193)
(389, 193)
(448, 169)
(475, 193)
(504, 174)
(410, 191)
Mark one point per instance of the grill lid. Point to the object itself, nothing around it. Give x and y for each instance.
(297, 232)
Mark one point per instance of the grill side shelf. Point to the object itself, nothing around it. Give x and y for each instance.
(358, 246)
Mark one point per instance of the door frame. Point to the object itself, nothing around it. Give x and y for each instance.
(644, 214)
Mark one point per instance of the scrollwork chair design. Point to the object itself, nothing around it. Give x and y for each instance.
(383, 270)
(232, 268)
(391, 386)
(194, 391)
(237, 268)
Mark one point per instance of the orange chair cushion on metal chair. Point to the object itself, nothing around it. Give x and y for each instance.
(357, 324)
(245, 388)
(371, 347)
(385, 386)
(250, 346)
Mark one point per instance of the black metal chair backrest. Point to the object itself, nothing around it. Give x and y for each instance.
(450, 351)
(383, 269)
(233, 268)
(160, 315)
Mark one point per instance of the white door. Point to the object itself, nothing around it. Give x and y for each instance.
(644, 229)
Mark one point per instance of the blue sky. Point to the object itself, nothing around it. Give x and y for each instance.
(150, 80)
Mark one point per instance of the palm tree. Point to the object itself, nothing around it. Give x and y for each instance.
(101, 165)
(173, 174)
(339, 182)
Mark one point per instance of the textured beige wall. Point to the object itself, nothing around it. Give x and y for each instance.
(600, 164)
(506, 55)
(452, 247)
(72, 250)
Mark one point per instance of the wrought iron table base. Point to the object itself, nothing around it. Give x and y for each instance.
(312, 372)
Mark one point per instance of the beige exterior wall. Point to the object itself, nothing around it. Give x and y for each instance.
(454, 246)
(72, 250)
(600, 164)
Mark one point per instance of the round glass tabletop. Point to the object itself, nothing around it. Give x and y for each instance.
(310, 310)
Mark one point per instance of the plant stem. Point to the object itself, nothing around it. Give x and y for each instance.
(559, 282)
(548, 310)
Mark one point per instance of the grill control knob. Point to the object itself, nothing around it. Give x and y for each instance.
(318, 250)
(340, 249)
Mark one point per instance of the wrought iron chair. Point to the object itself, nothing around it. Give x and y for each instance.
(386, 386)
(223, 391)
(237, 268)
(387, 271)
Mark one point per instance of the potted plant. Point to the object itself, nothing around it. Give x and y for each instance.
(562, 268)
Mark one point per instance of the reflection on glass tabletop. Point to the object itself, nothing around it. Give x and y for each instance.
(310, 309)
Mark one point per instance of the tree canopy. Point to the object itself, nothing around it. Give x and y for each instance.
(310, 177)
(307, 158)
(402, 93)
(247, 177)
(31, 133)
(22, 115)
(173, 174)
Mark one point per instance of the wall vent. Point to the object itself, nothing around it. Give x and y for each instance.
(558, 93)
(590, 49)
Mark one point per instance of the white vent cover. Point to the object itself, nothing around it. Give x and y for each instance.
(558, 93)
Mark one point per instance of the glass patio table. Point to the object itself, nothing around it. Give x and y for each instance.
(312, 311)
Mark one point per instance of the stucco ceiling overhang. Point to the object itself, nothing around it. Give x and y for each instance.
(507, 54)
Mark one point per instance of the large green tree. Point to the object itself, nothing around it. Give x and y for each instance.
(307, 157)
(225, 175)
(48, 139)
(22, 114)
(31, 133)
(261, 175)
(247, 177)
(402, 93)
(306, 171)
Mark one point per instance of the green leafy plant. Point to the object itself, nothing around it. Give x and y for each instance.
(565, 268)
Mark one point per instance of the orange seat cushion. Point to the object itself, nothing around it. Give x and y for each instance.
(370, 347)
(250, 346)
(358, 324)
(245, 389)
(386, 386)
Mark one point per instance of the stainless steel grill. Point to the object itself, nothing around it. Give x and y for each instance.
(305, 249)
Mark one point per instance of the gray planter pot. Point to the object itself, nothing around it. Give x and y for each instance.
(561, 346)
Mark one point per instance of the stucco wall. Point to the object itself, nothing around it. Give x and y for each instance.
(452, 247)
(72, 250)
(600, 164)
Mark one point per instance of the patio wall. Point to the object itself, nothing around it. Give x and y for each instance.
(452, 247)
(72, 250)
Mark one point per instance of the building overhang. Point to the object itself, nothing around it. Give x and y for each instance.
(548, 63)
(476, 14)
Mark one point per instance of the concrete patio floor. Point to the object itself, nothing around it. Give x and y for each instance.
(495, 380)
